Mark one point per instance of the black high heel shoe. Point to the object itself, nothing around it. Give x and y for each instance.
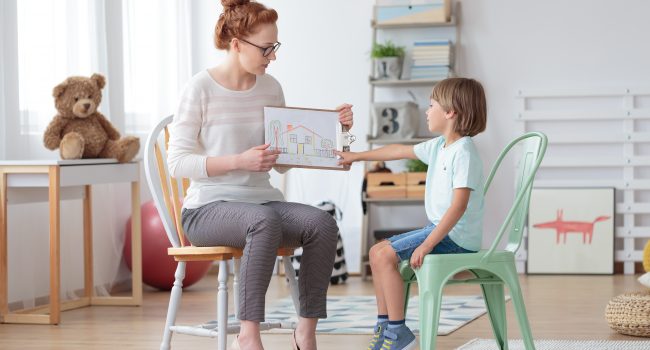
(293, 341)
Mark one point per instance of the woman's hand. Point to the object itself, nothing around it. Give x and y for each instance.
(258, 158)
(418, 255)
(347, 158)
(346, 115)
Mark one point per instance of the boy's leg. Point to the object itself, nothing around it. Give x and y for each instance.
(377, 277)
(391, 281)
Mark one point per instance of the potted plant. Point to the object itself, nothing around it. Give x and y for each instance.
(416, 166)
(416, 178)
(388, 60)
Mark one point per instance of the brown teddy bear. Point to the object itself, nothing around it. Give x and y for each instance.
(79, 130)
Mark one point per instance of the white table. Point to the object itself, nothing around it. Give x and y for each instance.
(56, 180)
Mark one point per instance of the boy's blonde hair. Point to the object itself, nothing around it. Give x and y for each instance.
(466, 98)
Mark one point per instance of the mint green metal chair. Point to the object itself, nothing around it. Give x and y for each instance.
(493, 268)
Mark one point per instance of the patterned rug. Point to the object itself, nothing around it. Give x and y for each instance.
(490, 344)
(358, 314)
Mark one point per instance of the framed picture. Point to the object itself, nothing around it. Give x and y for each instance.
(571, 231)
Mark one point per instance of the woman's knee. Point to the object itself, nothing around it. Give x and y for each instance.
(266, 220)
(327, 227)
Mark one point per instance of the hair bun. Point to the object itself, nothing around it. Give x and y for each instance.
(229, 4)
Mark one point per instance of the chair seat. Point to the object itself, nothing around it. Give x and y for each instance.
(466, 261)
(192, 253)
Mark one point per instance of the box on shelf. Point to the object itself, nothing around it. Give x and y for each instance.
(396, 12)
(386, 185)
(415, 183)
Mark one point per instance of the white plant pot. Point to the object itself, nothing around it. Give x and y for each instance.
(388, 68)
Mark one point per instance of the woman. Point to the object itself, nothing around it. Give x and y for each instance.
(217, 140)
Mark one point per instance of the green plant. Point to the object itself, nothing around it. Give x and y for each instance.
(387, 49)
(416, 166)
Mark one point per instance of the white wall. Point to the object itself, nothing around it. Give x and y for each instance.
(511, 45)
(505, 44)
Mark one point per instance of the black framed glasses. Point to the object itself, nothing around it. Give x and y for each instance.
(265, 50)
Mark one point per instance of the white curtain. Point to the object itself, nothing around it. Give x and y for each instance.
(157, 59)
(55, 39)
(45, 42)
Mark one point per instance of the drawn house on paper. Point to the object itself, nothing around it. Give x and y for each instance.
(299, 140)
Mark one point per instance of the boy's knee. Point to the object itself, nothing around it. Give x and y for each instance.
(385, 255)
(372, 254)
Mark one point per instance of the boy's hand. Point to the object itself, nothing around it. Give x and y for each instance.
(346, 158)
(418, 255)
(345, 115)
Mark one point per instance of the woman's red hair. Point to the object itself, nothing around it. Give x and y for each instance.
(239, 19)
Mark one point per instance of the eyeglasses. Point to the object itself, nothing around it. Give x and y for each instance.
(265, 50)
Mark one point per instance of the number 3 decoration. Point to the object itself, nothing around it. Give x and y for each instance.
(394, 120)
(392, 126)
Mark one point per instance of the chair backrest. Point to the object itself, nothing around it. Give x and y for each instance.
(533, 145)
(166, 190)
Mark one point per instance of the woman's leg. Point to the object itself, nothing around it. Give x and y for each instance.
(257, 229)
(316, 231)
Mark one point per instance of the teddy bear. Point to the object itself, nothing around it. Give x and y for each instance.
(79, 130)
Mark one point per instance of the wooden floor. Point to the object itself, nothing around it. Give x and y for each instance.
(559, 307)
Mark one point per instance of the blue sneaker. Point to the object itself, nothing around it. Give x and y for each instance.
(378, 337)
(399, 339)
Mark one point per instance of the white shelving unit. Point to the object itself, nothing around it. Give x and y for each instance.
(393, 90)
(597, 138)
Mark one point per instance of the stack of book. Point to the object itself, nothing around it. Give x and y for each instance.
(430, 59)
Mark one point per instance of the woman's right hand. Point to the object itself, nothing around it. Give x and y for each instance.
(258, 158)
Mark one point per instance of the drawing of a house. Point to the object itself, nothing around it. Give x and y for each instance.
(304, 141)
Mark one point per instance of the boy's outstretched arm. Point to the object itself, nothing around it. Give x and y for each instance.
(390, 152)
(447, 222)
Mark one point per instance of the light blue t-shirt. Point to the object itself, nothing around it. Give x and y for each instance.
(456, 166)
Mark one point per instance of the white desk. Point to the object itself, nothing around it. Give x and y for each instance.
(57, 180)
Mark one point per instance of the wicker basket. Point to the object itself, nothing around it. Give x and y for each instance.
(629, 314)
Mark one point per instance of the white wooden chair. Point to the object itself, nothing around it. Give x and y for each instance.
(167, 192)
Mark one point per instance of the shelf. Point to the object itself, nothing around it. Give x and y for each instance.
(393, 200)
(412, 141)
(451, 23)
(427, 82)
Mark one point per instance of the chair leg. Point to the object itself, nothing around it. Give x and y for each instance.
(494, 297)
(222, 304)
(430, 285)
(407, 294)
(290, 273)
(512, 280)
(236, 262)
(408, 276)
(174, 303)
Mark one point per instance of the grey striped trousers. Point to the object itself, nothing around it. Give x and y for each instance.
(261, 229)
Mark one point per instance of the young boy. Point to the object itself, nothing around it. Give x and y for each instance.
(453, 201)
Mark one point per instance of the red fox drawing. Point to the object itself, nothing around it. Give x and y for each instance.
(562, 227)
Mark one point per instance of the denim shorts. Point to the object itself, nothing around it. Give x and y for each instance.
(405, 244)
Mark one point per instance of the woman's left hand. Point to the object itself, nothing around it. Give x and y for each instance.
(346, 115)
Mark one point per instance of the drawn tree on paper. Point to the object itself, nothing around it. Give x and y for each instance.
(275, 131)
